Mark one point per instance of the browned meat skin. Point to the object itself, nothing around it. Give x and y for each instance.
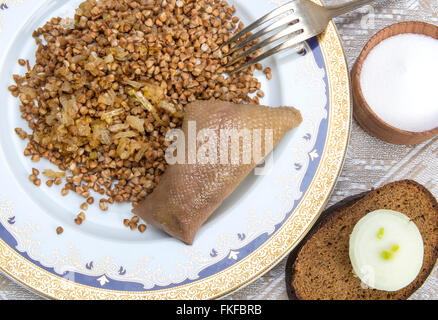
(189, 193)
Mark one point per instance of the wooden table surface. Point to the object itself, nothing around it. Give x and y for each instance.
(369, 162)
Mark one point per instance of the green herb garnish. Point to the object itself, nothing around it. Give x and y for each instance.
(386, 255)
(381, 232)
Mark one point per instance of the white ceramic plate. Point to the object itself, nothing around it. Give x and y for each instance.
(257, 226)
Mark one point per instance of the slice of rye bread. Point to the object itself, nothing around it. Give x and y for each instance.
(319, 267)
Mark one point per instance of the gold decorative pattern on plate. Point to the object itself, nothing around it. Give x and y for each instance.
(267, 255)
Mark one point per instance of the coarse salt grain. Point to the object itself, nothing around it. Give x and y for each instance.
(399, 81)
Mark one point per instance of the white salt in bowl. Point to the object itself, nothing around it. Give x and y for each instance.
(364, 113)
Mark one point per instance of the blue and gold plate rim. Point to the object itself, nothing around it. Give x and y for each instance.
(268, 254)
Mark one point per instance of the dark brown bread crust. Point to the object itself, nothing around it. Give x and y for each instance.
(355, 205)
(325, 215)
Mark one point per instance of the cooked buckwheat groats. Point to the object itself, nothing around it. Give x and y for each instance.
(108, 84)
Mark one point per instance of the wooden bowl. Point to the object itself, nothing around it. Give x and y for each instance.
(362, 111)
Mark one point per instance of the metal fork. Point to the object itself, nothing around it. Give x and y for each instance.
(302, 20)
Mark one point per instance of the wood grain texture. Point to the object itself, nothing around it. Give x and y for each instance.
(363, 113)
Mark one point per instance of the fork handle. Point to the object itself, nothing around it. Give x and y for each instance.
(338, 10)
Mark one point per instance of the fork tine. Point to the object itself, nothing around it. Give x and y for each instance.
(286, 32)
(274, 13)
(286, 45)
(276, 25)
